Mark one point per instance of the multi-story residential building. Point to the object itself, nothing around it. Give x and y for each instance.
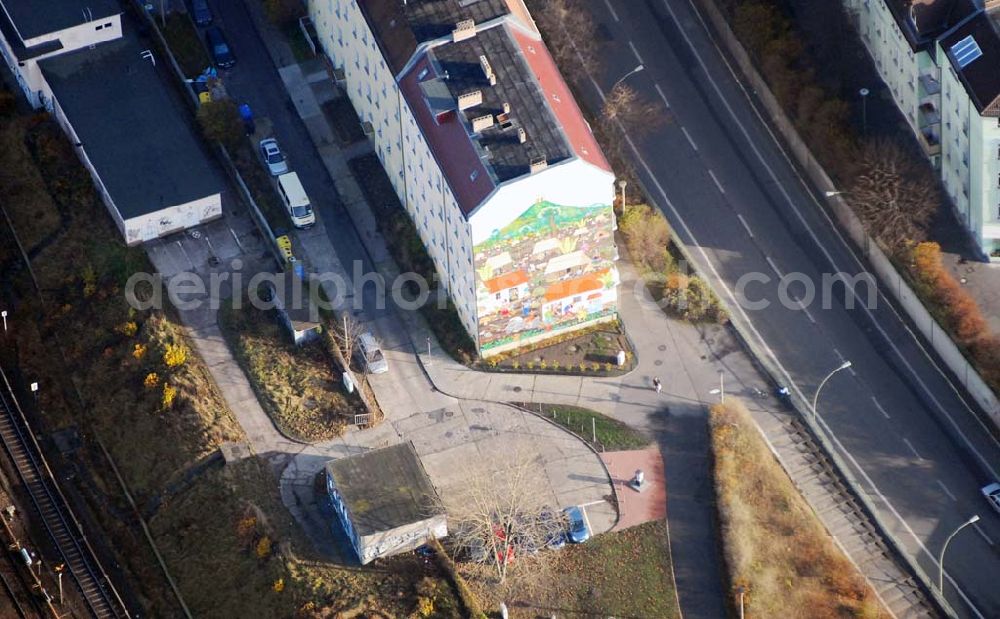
(941, 61)
(87, 65)
(490, 156)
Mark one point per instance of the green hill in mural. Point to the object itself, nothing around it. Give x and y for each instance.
(544, 218)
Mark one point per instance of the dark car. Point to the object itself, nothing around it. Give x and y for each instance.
(201, 13)
(217, 44)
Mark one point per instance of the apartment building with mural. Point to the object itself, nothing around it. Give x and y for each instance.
(489, 154)
(941, 61)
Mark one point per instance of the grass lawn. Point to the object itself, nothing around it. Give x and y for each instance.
(247, 557)
(297, 41)
(186, 45)
(32, 210)
(612, 435)
(296, 385)
(344, 119)
(774, 545)
(621, 574)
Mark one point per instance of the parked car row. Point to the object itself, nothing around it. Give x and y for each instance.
(529, 534)
(215, 39)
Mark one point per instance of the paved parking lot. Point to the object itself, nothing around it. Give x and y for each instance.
(454, 443)
(212, 246)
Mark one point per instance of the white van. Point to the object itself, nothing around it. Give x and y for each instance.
(296, 201)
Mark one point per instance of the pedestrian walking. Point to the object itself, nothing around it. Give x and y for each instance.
(657, 385)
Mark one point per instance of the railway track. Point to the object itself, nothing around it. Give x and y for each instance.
(82, 565)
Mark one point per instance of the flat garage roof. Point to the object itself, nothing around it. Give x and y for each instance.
(132, 125)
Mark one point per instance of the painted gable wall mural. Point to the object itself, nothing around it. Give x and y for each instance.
(549, 270)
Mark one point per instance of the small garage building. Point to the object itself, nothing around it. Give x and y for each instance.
(384, 501)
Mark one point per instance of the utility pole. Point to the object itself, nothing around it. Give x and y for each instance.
(59, 573)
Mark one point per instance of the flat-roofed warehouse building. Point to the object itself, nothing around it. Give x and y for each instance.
(384, 501)
(86, 64)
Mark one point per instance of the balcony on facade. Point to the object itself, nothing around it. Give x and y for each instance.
(930, 85)
(930, 139)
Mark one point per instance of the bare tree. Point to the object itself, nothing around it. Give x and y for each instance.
(345, 335)
(636, 113)
(500, 517)
(570, 34)
(892, 194)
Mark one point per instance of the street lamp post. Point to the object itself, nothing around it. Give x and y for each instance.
(830, 194)
(864, 92)
(638, 68)
(623, 184)
(972, 520)
(842, 366)
(742, 591)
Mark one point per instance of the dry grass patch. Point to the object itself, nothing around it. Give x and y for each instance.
(296, 385)
(26, 201)
(619, 574)
(240, 558)
(774, 544)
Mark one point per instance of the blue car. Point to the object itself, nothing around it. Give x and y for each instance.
(579, 530)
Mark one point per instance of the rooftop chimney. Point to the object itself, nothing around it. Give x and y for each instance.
(537, 165)
(465, 29)
(488, 70)
(522, 135)
(481, 123)
(470, 99)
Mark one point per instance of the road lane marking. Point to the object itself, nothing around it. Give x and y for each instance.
(983, 534)
(945, 489)
(611, 10)
(688, 136)
(662, 96)
(716, 180)
(806, 310)
(836, 231)
(636, 52)
(880, 409)
(912, 448)
(746, 226)
(773, 266)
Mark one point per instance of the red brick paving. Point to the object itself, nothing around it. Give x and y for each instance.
(638, 507)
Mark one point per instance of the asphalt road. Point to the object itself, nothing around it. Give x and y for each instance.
(255, 81)
(740, 206)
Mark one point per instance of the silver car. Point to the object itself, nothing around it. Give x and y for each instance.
(273, 157)
(371, 354)
(992, 494)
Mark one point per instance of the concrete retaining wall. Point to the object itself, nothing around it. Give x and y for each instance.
(886, 273)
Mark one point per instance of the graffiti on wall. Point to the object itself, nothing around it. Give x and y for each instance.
(549, 270)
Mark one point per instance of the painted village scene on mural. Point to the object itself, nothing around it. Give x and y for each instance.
(551, 269)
